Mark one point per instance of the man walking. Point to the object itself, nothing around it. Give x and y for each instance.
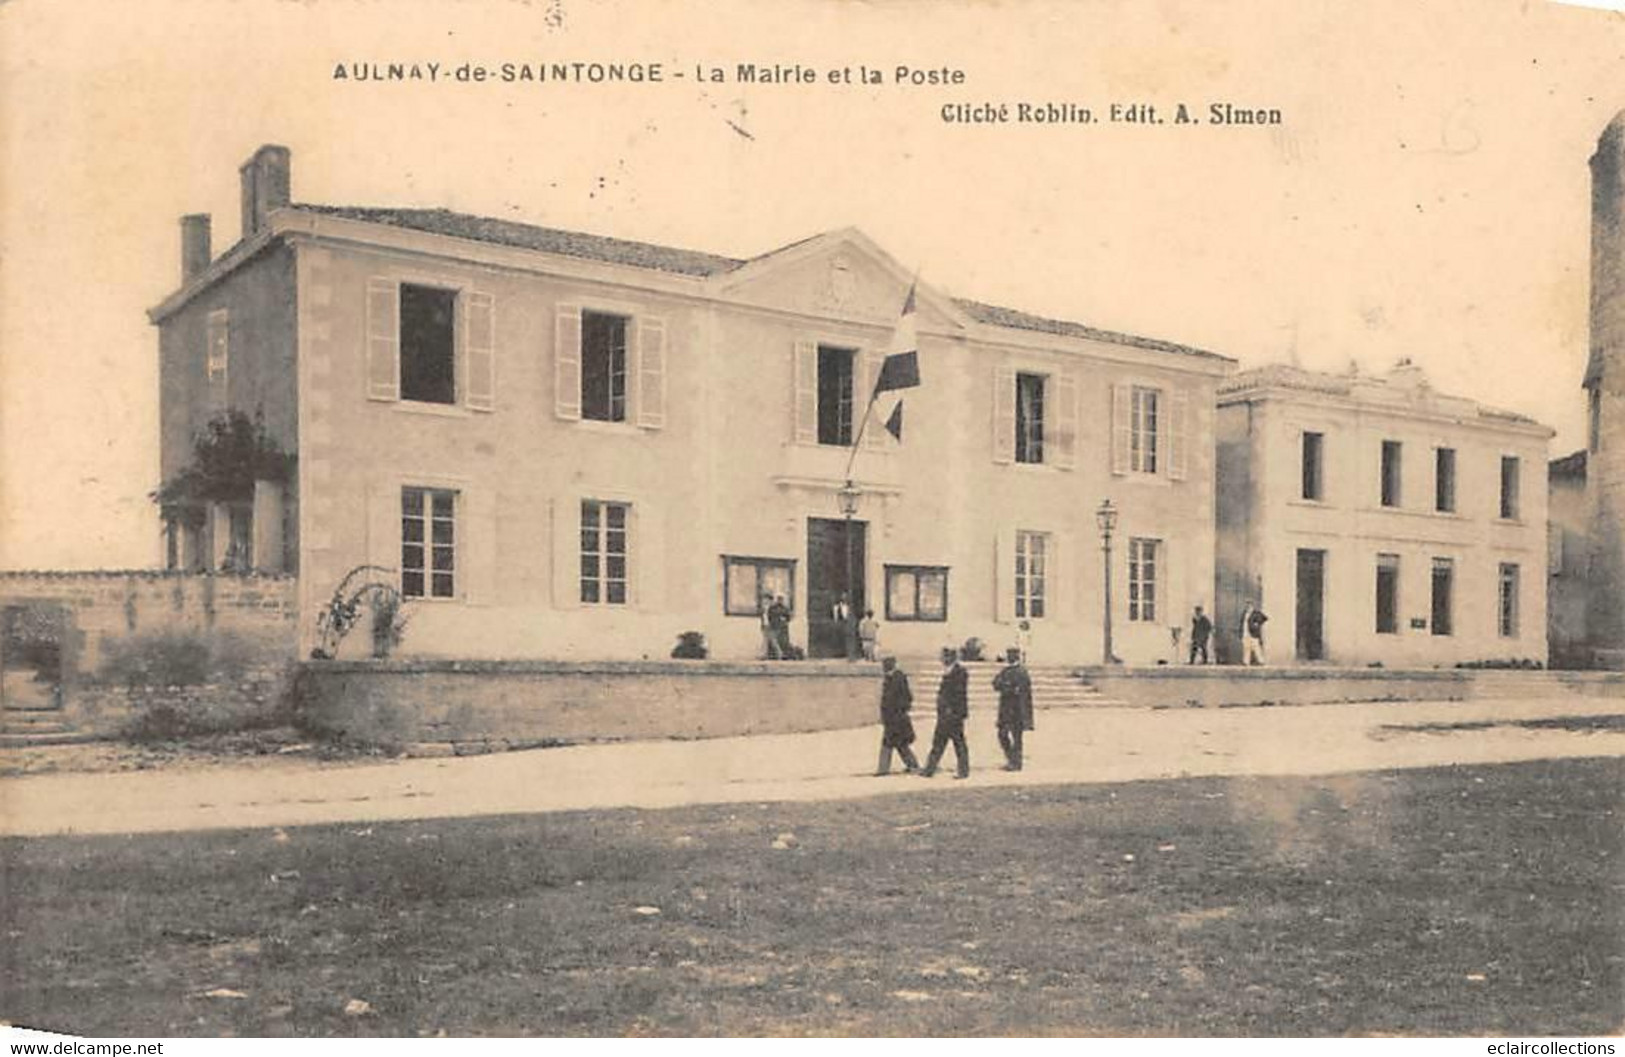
(1015, 689)
(1252, 635)
(953, 706)
(1201, 631)
(897, 730)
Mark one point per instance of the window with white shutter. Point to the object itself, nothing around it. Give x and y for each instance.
(1065, 429)
(567, 362)
(218, 356)
(1178, 434)
(804, 399)
(1004, 415)
(383, 339)
(1122, 428)
(480, 352)
(651, 373)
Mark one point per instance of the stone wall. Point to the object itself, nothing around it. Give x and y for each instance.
(218, 647)
(492, 703)
(1221, 686)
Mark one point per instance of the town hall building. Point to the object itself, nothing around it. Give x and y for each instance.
(561, 445)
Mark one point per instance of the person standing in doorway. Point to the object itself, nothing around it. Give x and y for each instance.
(841, 614)
(953, 707)
(1201, 631)
(869, 635)
(1252, 635)
(770, 636)
(1015, 689)
(897, 729)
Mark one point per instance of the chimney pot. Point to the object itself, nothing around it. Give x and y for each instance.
(266, 179)
(196, 251)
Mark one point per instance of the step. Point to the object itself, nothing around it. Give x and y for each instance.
(15, 719)
(9, 740)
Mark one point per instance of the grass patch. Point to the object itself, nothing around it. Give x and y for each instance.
(1481, 900)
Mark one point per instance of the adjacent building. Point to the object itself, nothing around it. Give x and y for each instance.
(1604, 385)
(564, 445)
(1376, 520)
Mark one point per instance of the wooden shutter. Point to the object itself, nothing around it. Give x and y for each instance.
(805, 397)
(567, 362)
(1004, 576)
(1066, 422)
(646, 558)
(1122, 427)
(874, 434)
(1004, 414)
(383, 339)
(652, 373)
(479, 350)
(383, 506)
(1178, 433)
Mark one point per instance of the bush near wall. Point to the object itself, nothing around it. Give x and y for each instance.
(174, 684)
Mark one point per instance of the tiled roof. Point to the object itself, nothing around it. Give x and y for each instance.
(1572, 465)
(998, 316)
(688, 262)
(1287, 376)
(533, 237)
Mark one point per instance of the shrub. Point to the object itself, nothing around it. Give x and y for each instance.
(972, 650)
(690, 647)
(163, 659)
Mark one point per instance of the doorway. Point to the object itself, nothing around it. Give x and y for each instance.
(827, 580)
(1311, 626)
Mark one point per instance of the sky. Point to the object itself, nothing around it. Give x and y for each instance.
(1426, 195)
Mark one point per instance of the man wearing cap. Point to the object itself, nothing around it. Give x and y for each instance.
(1015, 689)
(953, 706)
(897, 730)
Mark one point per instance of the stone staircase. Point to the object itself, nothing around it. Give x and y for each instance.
(22, 728)
(1495, 684)
(1054, 686)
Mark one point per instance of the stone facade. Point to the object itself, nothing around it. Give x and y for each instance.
(715, 458)
(1378, 521)
(105, 647)
(1605, 396)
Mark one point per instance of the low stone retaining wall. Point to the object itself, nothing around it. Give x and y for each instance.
(1220, 685)
(510, 703)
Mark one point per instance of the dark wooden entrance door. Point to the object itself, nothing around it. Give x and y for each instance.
(1311, 605)
(827, 580)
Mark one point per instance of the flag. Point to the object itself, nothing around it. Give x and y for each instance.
(901, 369)
(894, 423)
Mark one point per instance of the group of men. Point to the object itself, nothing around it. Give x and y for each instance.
(862, 638)
(953, 708)
(1251, 628)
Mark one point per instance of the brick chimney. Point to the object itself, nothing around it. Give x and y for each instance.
(195, 249)
(266, 179)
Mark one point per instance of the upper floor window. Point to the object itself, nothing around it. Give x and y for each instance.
(604, 552)
(1144, 426)
(835, 396)
(1313, 458)
(430, 344)
(1029, 418)
(1509, 487)
(1142, 579)
(1444, 480)
(603, 367)
(428, 543)
(1032, 574)
(1392, 472)
(218, 355)
(1593, 418)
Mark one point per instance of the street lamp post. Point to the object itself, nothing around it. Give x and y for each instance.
(849, 495)
(1106, 519)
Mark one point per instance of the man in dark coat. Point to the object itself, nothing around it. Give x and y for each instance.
(1201, 631)
(778, 619)
(953, 706)
(897, 730)
(1015, 689)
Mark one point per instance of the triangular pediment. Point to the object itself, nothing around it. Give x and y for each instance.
(839, 275)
